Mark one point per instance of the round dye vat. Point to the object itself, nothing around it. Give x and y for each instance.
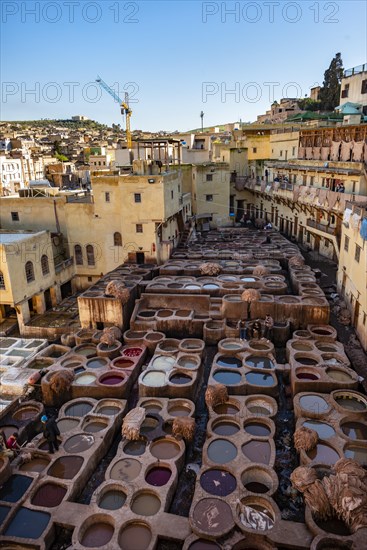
(313, 403)
(96, 363)
(306, 361)
(225, 428)
(78, 409)
(97, 535)
(8, 430)
(111, 379)
(139, 533)
(49, 495)
(335, 526)
(228, 378)
(231, 346)
(85, 380)
(222, 451)
(323, 454)
(339, 375)
(67, 424)
(267, 517)
(154, 379)
(259, 362)
(180, 379)
(256, 428)
(164, 362)
(179, 410)
(258, 408)
(354, 430)
(35, 465)
(256, 487)
(192, 287)
(229, 361)
(93, 427)
(78, 443)
(212, 515)
(218, 482)
(65, 467)
(25, 413)
(187, 363)
(226, 408)
(112, 500)
(135, 448)
(123, 363)
(210, 286)
(149, 425)
(350, 402)
(27, 524)
(109, 410)
(323, 429)
(126, 469)
(151, 407)
(258, 379)
(202, 544)
(164, 449)
(158, 476)
(145, 504)
(15, 487)
(306, 375)
(357, 453)
(257, 451)
(86, 351)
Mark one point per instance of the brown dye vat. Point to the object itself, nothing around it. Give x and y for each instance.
(303, 375)
(256, 487)
(350, 402)
(49, 495)
(339, 375)
(225, 428)
(93, 427)
(333, 525)
(226, 408)
(323, 454)
(65, 467)
(109, 410)
(126, 469)
(202, 544)
(164, 449)
(257, 451)
(135, 535)
(35, 465)
(67, 424)
(209, 508)
(354, 430)
(97, 535)
(145, 504)
(257, 428)
(179, 410)
(123, 363)
(221, 451)
(149, 425)
(25, 413)
(78, 443)
(135, 448)
(151, 407)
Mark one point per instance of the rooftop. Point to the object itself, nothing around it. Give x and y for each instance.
(8, 237)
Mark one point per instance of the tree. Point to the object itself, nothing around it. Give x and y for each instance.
(330, 91)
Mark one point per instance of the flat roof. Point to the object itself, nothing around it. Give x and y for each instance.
(8, 237)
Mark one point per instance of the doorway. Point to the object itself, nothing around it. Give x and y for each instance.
(140, 258)
(48, 301)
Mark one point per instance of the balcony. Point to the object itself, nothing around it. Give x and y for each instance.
(321, 227)
(321, 230)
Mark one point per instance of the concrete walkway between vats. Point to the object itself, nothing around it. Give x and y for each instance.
(346, 334)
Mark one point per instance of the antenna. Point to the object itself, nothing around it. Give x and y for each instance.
(202, 120)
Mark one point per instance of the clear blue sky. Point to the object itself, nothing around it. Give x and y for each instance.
(170, 50)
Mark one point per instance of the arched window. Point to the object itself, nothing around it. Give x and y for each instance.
(117, 239)
(2, 281)
(29, 272)
(44, 265)
(90, 255)
(78, 253)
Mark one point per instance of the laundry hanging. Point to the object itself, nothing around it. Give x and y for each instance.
(346, 217)
(354, 222)
(363, 231)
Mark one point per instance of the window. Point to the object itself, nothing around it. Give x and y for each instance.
(346, 244)
(281, 153)
(308, 239)
(364, 87)
(2, 281)
(107, 197)
(15, 216)
(326, 243)
(78, 252)
(139, 228)
(29, 272)
(345, 92)
(293, 151)
(117, 239)
(312, 180)
(90, 255)
(44, 265)
(137, 197)
(171, 194)
(209, 177)
(254, 149)
(357, 255)
(209, 198)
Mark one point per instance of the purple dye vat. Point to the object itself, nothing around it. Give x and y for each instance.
(158, 476)
(202, 544)
(218, 482)
(306, 376)
(111, 380)
(49, 495)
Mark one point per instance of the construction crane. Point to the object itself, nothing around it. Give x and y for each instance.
(125, 109)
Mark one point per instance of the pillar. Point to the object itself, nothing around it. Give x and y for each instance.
(23, 315)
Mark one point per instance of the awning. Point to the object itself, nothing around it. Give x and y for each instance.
(202, 216)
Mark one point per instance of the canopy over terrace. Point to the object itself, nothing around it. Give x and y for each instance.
(167, 150)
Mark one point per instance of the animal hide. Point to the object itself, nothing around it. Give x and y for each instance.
(357, 154)
(250, 295)
(216, 395)
(210, 269)
(305, 438)
(260, 271)
(61, 381)
(132, 424)
(334, 153)
(184, 427)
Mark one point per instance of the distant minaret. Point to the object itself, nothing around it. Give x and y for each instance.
(202, 120)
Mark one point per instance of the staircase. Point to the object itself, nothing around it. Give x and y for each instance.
(184, 239)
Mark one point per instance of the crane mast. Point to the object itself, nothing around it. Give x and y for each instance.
(125, 109)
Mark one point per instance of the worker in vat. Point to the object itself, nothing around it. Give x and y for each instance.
(269, 325)
(241, 325)
(50, 432)
(12, 443)
(256, 329)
